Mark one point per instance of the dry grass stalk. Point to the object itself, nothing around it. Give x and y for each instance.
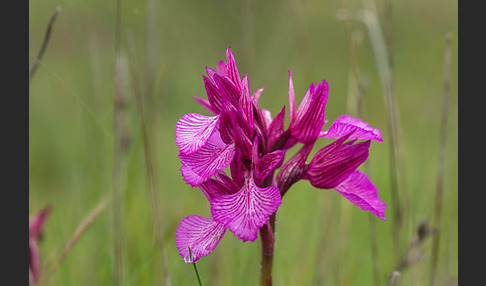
(415, 250)
(148, 155)
(394, 278)
(44, 44)
(80, 230)
(382, 59)
(441, 165)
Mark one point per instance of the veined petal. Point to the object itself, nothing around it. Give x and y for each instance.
(291, 97)
(198, 167)
(360, 191)
(220, 185)
(211, 72)
(292, 171)
(276, 128)
(267, 116)
(309, 117)
(346, 124)
(228, 90)
(222, 67)
(247, 210)
(232, 69)
(205, 104)
(335, 162)
(193, 131)
(267, 164)
(246, 101)
(200, 234)
(214, 96)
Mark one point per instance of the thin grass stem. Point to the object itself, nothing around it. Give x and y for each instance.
(42, 50)
(195, 267)
(80, 230)
(382, 59)
(152, 47)
(148, 155)
(354, 47)
(117, 237)
(439, 194)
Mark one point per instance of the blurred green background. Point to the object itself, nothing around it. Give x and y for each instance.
(321, 238)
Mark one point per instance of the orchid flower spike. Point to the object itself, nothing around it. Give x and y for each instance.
(234, 153)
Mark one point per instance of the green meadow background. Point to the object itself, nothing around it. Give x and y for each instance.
(321, 238)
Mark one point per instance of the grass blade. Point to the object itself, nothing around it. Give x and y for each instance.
(440, 176)
(148, 155)
(117, 153)
(195, 268)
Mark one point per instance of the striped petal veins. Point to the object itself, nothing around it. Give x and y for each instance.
(200, 234)
(247, 210)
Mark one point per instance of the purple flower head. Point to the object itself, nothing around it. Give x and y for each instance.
(235, 137)
(36, 225)
(244, 138)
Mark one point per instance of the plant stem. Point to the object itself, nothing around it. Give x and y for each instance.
(148, 156)
(195, 267)
(441, 166)
(117, 244)
(44, 44)
(267, 238)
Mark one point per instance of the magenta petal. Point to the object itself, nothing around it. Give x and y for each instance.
(220, 185)
(335, 162)
(267, 164)
(247, 210)
(346, 124)
(292, 171)
(291, 98)
(232, 70)
(214, 97)
(193, 131)
(198, 167)
(360, 191)
(309, 117)
(247, 102)
(205, 104)
(34, 260)
(37, 221)
(228, 90)
(221, 67)
(200, 234)
(276, 128)
(211, 72)
(256, 95)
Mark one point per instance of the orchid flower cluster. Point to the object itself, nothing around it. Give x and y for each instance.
(244, 137)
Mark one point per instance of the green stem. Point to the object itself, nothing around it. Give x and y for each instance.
(267, 238)
(195, 268)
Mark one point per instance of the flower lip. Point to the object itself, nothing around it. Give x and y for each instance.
(245, 211)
